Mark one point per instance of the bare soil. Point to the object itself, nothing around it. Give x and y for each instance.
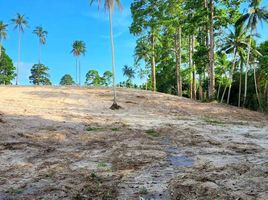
(66, 143)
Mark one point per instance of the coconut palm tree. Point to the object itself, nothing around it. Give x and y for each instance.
(20, 23)
(236, 43)
(42, 35)
(79, 48)
(255, 14)
(109, 5)
(3, 34)
(129, 72)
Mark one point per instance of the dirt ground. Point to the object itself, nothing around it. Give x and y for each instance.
(65, 143)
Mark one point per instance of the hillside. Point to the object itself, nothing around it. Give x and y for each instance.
(65, 143)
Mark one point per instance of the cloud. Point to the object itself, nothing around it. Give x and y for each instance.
(120, 19)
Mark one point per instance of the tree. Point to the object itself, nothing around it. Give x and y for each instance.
(107, 78)
(67, 80)
(42, 35)
(211, 90)
(236, 43)
(255, 14)
(109, 5)
(129, 73)
(7, 69)
(79, 48)
(93, 78)
(3, 34)
(19, 23)
(39, 75)
(146, 14)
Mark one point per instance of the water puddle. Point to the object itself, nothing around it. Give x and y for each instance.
(180, 161)
(176, 159)
(2, 196)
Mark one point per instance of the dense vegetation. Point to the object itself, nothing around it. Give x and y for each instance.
(201, 49)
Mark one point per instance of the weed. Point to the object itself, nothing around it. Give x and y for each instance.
(115, 129)
(152, 133)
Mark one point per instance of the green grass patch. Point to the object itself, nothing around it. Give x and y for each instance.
(152, 133)
(222, 122)
(115, 129)
(102, 165)
(89, 129)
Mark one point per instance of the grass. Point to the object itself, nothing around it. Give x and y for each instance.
(115, 129)
(220, 122)
(102, 165)
(152, 133)
(213, 121)
(89, 129)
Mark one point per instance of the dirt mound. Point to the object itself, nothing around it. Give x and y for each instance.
(66, 143)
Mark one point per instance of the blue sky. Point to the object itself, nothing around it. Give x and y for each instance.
(66, 21)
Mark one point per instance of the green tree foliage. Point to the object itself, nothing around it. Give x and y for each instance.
(94, 79)
(3, 34)
(39, 75)
(67, 80)
(7, 69)
(107, 78)
(129, 72)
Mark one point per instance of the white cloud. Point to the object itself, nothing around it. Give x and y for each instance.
(120, 19)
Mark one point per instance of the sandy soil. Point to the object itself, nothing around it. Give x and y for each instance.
(65, 143)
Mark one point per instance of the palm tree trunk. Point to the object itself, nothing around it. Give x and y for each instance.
(18, 64)
(153, 62)
(231, 77)
(0, 48)
(223, 94)
(240, 84)
(194, 71)
(246, 72)
(76, 70)
(266, 91)
(39, 58)
(79, 72)
(114, 106)
(178, 60)
(211, 53)
(256, 87)
(219, 89)
(191, 66)
(200, 87)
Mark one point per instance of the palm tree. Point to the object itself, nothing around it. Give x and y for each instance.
(79, 48)
(236, 43)
(3, 34)
(20, 23)
(129, 73)
(109, 4)
(254, 15)
(42, 35)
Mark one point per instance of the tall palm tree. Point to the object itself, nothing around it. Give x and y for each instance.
(3, 34)
(129, 72)
(42, 35)
(109, 5)
(19, 23)
(255, 14)
(79, 48)
(236, 43)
